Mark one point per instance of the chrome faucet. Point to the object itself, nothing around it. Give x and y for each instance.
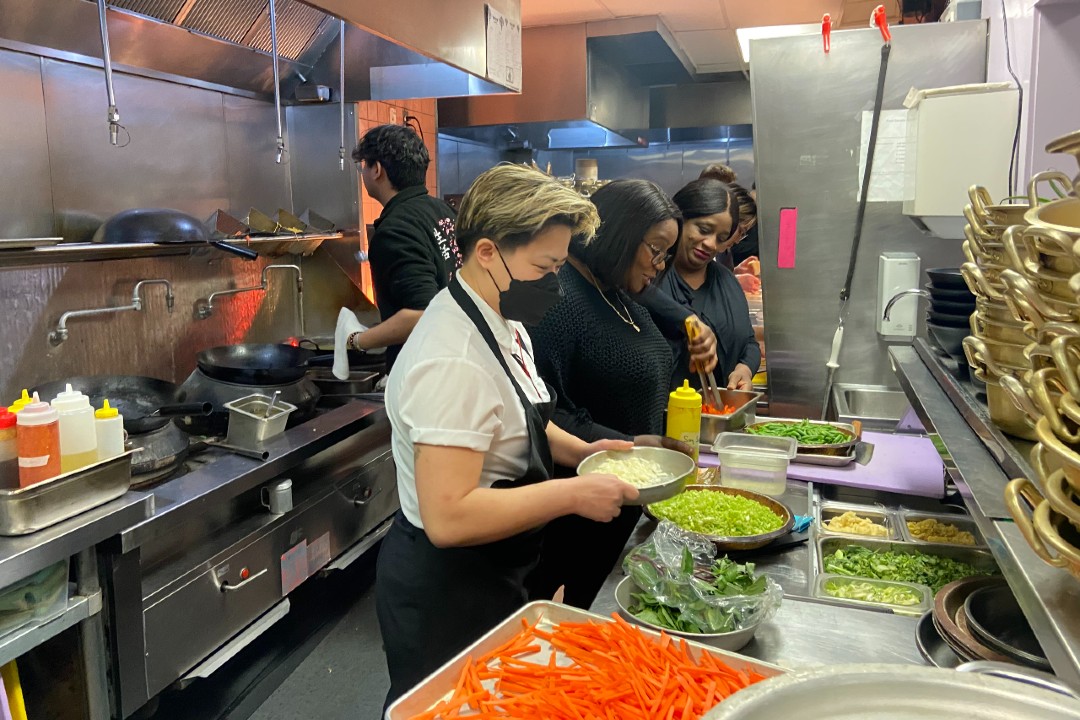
(60, 334)
(205, 307)
(903, 293)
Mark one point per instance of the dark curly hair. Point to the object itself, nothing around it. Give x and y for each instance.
(399, 150)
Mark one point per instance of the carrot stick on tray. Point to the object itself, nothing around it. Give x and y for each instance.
(614, 671)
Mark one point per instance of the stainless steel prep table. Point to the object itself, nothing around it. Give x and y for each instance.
(803, 632)
(74, 538)
(212, 569)
(983, 461)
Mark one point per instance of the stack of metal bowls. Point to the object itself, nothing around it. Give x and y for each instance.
(1041, 288)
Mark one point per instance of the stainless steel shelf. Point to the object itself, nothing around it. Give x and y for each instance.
(92, 252)
(984, 461)
(30, 636)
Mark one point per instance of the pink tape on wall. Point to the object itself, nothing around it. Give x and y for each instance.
(785, 253)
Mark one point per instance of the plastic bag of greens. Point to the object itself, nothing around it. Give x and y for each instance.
(683, 586)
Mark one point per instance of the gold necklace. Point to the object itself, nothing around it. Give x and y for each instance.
(628, 319)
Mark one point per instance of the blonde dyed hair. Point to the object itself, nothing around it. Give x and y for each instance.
(510, 204)
(718, 171)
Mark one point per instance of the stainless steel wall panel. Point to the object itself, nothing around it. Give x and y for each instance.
(254, 179)
(807, 122)
(175, 156)
(318, 182)
(26, 205)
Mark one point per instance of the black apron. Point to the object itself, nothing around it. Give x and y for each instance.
(433, 602)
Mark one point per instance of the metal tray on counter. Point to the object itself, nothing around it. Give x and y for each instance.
(745, 403)
(962, 521)
(29, 509)
(981, 559)
(818, 456)
(875, 513)
(440, 684)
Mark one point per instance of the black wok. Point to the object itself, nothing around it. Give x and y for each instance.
(146, 403)
(323, 348)
(161, 226)
(255, 364)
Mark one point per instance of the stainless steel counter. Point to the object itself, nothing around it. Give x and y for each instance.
(803, 632)
(984, 462)
(231, 475)
(25, 555)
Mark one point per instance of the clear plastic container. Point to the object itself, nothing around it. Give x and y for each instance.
(918, 598)
(38, 597)
(878, 515)
(756, 463)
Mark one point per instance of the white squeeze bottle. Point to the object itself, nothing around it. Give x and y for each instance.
(109, 427)
(78, 438)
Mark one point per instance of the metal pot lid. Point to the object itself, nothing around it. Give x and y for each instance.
(893, 692)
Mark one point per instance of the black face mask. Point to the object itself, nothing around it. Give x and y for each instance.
(527, 301)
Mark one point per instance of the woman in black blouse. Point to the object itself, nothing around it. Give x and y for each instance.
(711, 225)
(609, 366)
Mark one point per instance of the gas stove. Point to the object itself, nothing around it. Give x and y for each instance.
(201, 388)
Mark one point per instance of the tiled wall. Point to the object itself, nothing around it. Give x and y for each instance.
(372, 114)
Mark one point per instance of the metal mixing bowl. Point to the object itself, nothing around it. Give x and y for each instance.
(680, 468)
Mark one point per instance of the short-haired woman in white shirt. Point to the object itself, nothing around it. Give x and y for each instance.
(472, 434)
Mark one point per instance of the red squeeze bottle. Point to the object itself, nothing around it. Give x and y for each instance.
(37, 440)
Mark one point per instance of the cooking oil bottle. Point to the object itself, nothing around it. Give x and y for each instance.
(78, 438)
(684, 416)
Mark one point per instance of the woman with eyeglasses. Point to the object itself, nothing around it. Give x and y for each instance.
(609, 365)
(712, 224)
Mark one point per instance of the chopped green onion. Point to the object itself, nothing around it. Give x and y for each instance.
(717, 513)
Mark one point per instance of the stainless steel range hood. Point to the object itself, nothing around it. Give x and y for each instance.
(583, 86)
(225, 44)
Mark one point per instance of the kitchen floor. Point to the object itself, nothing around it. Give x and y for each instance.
(323, 660)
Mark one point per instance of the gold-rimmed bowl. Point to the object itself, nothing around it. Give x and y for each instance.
(1050, 535)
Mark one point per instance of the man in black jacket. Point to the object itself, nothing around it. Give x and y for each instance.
(413, 251)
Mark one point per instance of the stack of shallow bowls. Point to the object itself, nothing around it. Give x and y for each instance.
(951, 306)
(1043, 288)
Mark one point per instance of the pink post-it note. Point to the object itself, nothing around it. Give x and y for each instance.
(785, 253)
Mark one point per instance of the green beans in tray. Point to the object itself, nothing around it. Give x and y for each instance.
(805, 432)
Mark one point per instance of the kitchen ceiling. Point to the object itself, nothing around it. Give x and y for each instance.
(705, 29)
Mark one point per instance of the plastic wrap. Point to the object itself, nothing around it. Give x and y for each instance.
(679, 569)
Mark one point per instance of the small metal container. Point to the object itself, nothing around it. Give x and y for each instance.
(679, 468)
(876, 514)
(29, 509)
(249, 423)
(745, 403)
(959, 520)
(827, 584)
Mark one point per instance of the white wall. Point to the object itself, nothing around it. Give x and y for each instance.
(1044, 43)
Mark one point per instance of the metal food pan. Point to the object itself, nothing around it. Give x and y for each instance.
(877, 514)
(925, 594)
(440, 684)
(961, 521)
(980, 559)
(26, 510)
(844, 451)
(745, 403)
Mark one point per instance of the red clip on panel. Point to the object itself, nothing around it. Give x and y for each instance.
(879, 18)
(826, 31)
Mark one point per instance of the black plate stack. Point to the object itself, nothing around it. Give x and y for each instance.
(951, 305)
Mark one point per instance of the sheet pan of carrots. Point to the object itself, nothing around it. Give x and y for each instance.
(555, 662)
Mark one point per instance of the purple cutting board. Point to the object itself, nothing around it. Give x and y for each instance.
(903, 464)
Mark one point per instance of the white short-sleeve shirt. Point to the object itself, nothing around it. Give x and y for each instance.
(448, 389)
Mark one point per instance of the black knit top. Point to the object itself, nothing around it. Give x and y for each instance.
(612, 381)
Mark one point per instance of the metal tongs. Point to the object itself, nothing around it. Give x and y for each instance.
(710, 390)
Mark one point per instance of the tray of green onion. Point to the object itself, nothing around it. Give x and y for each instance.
(733, 519)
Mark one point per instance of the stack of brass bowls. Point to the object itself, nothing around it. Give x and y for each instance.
(1020, 273)
(1042, 289)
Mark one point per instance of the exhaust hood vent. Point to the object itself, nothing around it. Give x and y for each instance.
(399, 50)
(244, 22)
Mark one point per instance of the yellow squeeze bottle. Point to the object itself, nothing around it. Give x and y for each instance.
(684, 416)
